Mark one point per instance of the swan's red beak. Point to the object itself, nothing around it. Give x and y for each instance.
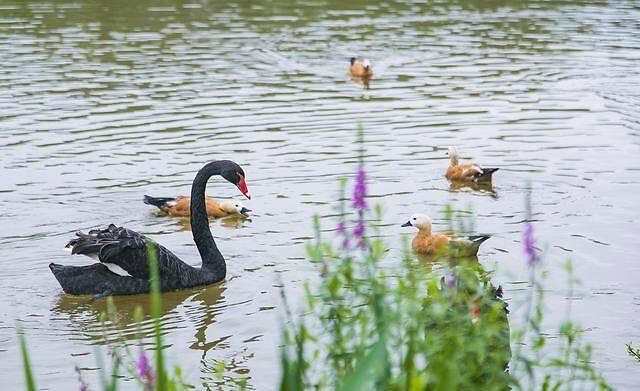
(242, 186)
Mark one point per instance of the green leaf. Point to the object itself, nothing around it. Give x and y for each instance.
(28, 374)
(369, 367)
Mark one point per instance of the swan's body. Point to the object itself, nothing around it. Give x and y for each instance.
(444, 243)
(128, 250)
(181, 206)
(467, 172)
(360, 67)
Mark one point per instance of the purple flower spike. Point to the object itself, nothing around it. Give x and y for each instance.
(345, 243)
(528, 241)
(358, 231)
(145, 373)
(450, 279)
(360, 191)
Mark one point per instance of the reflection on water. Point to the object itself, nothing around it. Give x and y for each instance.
(103, 102)
(363, 81)
(482, 187)
(87, 315)
(184, 223)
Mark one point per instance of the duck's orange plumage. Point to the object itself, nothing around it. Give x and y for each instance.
(443, 243)
(360, 67)
(428, 243)
(181, 206)
(467, 172)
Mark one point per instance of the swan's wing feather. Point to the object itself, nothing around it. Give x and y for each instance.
(125, 248)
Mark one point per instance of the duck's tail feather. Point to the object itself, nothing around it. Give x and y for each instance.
(487, 172)
(476, 241)
(96, 279)
(479, 238)
(158, 201)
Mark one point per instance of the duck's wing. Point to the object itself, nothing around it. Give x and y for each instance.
(471, 170)
(467, 245)
(160, 202)
(127, 249)
(182, 207)
(475, 172)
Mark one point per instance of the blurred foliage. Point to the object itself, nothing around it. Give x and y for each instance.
(421, 326)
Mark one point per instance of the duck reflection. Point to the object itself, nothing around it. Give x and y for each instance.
(232, 222)
(132, 316)
(433, 260)
(482, 187)
(362, 80)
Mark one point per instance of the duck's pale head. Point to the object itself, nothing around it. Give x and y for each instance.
(235, 207)
(420, 221)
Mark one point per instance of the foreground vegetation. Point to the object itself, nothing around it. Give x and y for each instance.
(437, 325)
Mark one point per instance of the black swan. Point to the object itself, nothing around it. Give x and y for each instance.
(127, 249)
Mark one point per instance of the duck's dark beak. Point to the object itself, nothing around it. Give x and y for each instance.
(407, 224)
(245, 212)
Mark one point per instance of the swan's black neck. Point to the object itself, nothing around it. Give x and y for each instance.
(212, 259)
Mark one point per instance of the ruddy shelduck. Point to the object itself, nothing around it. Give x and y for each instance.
(467, 172)
(181, 206)
(443, 243)
(360, 67)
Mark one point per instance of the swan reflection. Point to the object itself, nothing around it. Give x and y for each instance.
(87, 318)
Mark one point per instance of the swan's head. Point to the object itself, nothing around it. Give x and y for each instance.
(235, 207)
(420, 221)
(233, 173)
(453, 155)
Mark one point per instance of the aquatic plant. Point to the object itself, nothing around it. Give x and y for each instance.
(441, 325)
(635, 353)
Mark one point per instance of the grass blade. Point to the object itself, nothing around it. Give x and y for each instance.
(28, 373)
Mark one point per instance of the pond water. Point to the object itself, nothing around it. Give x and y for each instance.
(102, 102)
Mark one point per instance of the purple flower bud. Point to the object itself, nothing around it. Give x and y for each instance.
(450, 279)
(345, 243)
(358, 231)
(528, 242)
(360, 191)
(341, 228)
(145, 373)
(83, 387)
